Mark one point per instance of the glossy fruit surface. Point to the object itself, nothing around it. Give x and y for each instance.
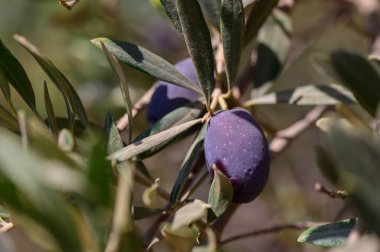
(168, 97)
(236, 144)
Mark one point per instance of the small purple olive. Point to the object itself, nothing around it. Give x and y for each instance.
(168, 97)
(235, 143)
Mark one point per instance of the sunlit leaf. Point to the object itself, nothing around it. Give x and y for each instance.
(181, 239)
(307, 95)
(190, 213)
(123, 86)
(145, 61)
(220, 195)
(150, 195)
(11, 68)
(198, 41)
(183, 114)
(66, 140)
(187, 165)
(152, 141)
(232, 32)
(328, 235)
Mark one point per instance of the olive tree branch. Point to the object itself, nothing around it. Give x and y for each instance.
(269, 230)
(332, 193)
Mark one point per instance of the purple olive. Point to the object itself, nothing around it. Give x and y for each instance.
(168, 97)
(236, 144)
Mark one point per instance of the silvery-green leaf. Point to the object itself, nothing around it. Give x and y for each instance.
(190, 213)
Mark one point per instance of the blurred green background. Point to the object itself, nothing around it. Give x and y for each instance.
(64, 36)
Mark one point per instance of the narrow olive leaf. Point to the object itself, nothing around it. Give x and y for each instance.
(307, 95)
(7, 120)
(17, 77)
(72, 99)
(190, 213)
(211, 10)
(170, 7)
(328, 235)
(188, 164)
(232, 31)
(138, 57)
(274, 40)
(360, 76)
(140, 213)
(248, 2)
(123, 86)
(260, 12)
(151, 141)
(183, 114)
(111, 135)
(50, 111)
(220, 195)
(198, 41)
(4, 86)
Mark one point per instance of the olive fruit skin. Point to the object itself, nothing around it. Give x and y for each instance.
(235, 143)
(168, 97)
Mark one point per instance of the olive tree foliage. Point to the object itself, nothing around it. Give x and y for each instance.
(71, 185)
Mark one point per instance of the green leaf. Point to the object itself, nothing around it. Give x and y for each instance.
(72, 99)
(123, 86)
(260, 12)
(188, 164)
(24, 189)
(170, 7)
(198, 41)
(181, 115)
(329, 235)
(112, 136)
(8, 120)
(307, 95)
(50, 111)
(232, 27)
(360, 76)
(138, 57)
(17, 77)
(189, 213)
(211, 10)
(220, 195)
(4, 86)
(211, 245)
(151, 141)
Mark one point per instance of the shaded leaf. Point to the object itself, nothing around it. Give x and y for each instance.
(187, 165)
(360, 76)
(8, 120)
(50, 111)
(170, 7)
(198, 41)
(211, 245)
(232, 31)
(123, 86)
(307, 95)
(211, 10)
(220, 195)
(72, 99)
(181, 115)
(17, 77)
(112, 136)
(138, 57)
(260, 12)
(4, 86)
(329, 235)
(151, 141)
(248, 2)
(190, 213)
(140, 213)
